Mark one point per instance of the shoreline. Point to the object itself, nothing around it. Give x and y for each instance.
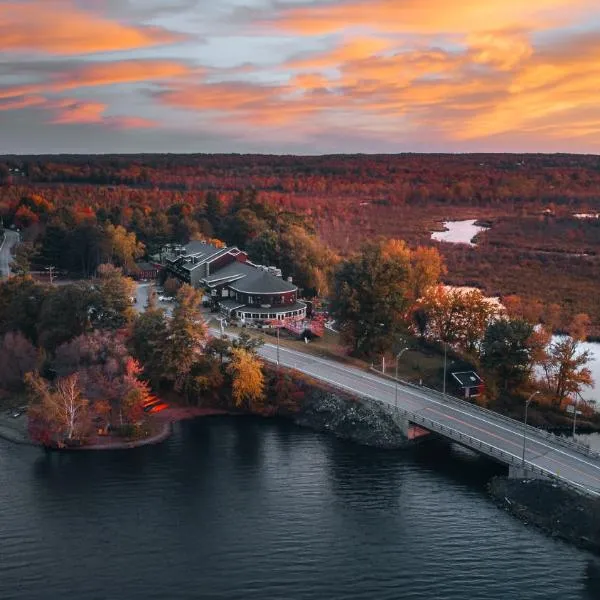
(164, 421)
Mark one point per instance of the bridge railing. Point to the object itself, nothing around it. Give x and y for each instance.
(494, 451)
(563, 441)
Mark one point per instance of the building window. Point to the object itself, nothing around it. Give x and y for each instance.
(255, 316)
(247, 315)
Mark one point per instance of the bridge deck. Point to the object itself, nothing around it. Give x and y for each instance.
(484, 431)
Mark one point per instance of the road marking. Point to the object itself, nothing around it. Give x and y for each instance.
(512, 443)
(351, 371)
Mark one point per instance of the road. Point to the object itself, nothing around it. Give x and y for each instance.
(496, 433)
(10, 240)
(492, 430)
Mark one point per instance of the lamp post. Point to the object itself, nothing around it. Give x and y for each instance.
(577, 397)
(278, 344)
(527, 402)
(396, 379)
(445, 367)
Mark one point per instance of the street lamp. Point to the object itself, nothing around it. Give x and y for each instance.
(445, 367)
(577, 397)
(527, 403)
(396, 389)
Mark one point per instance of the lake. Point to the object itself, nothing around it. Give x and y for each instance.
(458, 232)
(260, 509)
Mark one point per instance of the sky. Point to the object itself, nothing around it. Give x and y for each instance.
(299, 76)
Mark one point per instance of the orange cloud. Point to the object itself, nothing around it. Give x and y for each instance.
(59, 27)
(433, 16)
(18, 103)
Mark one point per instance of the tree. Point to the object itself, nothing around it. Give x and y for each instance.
(148, 339)
(122, 247)
(456, 317)
(247, 342)
(427, 266)
(18, 356)
(565, 369)
(21, 300)
(506, 350)
(186, 337)
(248, 381)
(371, 299)
(62, 408)
(565, 365)
(112, 308)
(65, 314)
(24, 254)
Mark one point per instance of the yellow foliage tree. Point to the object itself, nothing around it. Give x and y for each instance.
(248, 379)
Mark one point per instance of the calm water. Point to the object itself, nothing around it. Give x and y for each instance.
(254, 509)
(459, 232)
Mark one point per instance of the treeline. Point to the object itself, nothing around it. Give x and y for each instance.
(402, 178)
(75, 237)
(88, 364)
(387, 294)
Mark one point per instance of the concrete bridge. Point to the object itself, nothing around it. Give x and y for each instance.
(563, 460)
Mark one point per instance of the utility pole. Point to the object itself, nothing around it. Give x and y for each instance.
(50, 270)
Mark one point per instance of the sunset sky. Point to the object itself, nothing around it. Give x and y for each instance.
(299, 76)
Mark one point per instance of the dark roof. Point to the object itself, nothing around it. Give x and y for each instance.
(196, 247)
(145, 266)
(230, 272)
(468, 379)
(262, 282)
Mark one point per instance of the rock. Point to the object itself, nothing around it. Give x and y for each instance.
(559, 512)
(361, 420)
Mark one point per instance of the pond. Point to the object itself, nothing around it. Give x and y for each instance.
(458, 232)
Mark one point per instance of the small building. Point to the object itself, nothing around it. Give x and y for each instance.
(469, 383)
(237, 287)
(145, 270)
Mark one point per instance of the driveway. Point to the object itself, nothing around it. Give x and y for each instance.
(11, 239)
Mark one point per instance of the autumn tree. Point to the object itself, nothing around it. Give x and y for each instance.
(62, 407)
(427, 266)
(248, 381)
(564, 364)
(186, 337)
(372, 296)
(112, 308)
(122, 247)
(456, 317)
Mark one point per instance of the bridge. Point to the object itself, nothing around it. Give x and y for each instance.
(561, 459)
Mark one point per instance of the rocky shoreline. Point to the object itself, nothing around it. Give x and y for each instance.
(559, 512)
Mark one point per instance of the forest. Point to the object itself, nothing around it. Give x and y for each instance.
(352, 230)
(529, 200)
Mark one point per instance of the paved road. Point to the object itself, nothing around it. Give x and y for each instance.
(504, 434)
(11, 239)
(494, 431)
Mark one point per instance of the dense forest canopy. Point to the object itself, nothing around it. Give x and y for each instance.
(536, 248)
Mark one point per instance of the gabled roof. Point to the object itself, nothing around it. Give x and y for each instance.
(468, 379)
